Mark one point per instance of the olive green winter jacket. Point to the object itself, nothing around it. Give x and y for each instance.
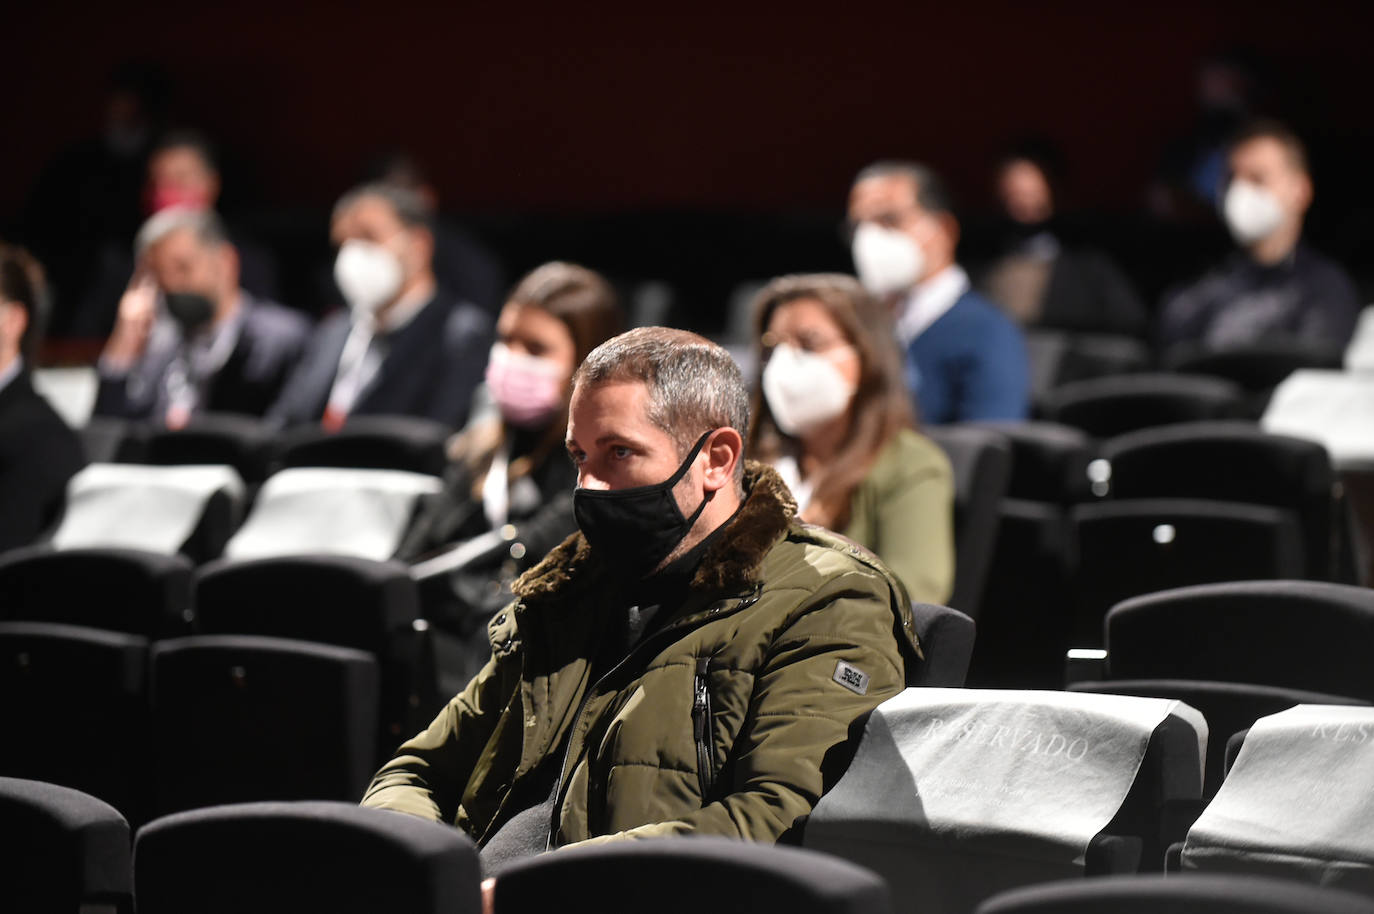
(730, 719)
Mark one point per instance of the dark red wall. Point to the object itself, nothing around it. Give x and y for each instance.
(620, 105)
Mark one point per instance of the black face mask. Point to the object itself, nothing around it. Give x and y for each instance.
(190, 310)
(636, 528)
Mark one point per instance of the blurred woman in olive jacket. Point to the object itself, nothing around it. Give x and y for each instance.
(833, 416)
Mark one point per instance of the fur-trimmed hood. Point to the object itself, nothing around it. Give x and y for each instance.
(732, 562)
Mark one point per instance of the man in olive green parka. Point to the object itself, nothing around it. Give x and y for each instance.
(695, 661)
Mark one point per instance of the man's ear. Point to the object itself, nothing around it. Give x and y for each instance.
(723, 450)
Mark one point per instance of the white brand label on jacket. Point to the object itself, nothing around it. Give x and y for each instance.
(851, 677)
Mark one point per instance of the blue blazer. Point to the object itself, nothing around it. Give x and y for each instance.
(970, 364)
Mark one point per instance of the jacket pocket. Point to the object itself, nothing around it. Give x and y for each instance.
(701, 728)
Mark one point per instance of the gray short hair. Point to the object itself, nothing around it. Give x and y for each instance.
(932, 194)
(208, 228)
(410, 208)
(694, 385)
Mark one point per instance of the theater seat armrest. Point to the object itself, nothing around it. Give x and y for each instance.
(1085, 664)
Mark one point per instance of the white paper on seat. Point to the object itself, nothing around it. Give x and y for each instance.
(133, 506)
(969, 791)
(1299, 801)
(70, 391)
(362, 513)
(1331, 407)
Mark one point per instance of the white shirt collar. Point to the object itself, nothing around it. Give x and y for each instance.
(11, 371)
(928, 301)
(405, 309)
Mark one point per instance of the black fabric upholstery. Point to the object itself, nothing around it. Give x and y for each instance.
(1113, 406)
(108, 440)
(1237, 462)
(238, 719)
(287, 858)
(1049, 462)
(981, 459)
(63, 849)
(946, 637)
(1259, 366)
(1025, 623)
(689, 876)
(369, 442)
(1059, 357)
(349, 602)
(242, 442)
(1187, 893)
(1227, 706)
(1305, 635)
(118, 589)
(1127, 548)
(74, 709)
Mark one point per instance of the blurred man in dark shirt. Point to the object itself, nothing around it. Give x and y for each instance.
(38, 452)
(404, 346)
(182, 171)
(1274, 286)
(188, 338)
(1037, 276)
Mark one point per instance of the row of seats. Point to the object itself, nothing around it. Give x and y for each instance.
(1085, 524)
(954, 794)
(956, 801)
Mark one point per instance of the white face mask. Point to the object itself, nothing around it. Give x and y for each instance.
(368, 274)
(804, 390)
(888, 261)
(1252, 213)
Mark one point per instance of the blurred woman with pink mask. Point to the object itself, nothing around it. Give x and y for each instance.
(507, 499)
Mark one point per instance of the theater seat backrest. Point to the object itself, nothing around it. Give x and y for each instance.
(326, 510)
(161, 509)
(1298, 802)
(954, 794)
(688, 876)
(64, 850)
(287, 858)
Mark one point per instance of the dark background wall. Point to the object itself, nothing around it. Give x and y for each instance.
(530, 111)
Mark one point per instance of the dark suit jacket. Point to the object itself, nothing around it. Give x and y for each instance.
(38, 454)
(271, 342)
(431, 367)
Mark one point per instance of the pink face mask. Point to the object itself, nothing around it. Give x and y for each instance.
(161, 197)
(527, 389)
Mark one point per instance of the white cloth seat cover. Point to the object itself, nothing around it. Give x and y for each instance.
(1298, 802)
(1332, 407)
(326, 510)
(956, 794)
(132, 506)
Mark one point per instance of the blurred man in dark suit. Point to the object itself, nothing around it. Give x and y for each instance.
(1274, 287)
(405, 346)
(38, 452)
(188, 338)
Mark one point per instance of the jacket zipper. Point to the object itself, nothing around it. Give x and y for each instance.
(654, 639)
(701, 725)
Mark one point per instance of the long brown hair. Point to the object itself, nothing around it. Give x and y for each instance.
(881, 406)
(587, 305)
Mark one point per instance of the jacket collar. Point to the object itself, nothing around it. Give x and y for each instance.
(732, 563)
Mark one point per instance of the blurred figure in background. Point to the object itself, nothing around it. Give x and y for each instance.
(510, 473)
(183, 172)
(462, 264)
(84, 206)
(38, 452)
(405, 346)
(188, 338)
(965, 359)
(1037, 277)
(1274, 286)
(832, 416)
